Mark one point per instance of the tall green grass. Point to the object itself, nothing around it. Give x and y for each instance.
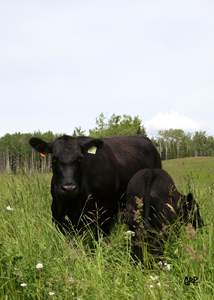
(79, 267)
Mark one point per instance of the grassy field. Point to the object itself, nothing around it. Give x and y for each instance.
(79, 267)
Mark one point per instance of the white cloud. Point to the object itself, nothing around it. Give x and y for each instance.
(171, 120)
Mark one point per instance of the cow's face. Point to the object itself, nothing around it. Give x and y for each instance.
(68, 155)
(192, 211)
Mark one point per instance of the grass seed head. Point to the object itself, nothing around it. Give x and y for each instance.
(190, 231)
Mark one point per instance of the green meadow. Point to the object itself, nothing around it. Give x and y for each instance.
(38, 262)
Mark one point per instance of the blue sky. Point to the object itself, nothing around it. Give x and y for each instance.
(62, 63)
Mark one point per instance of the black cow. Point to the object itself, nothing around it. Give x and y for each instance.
(91, 175)
(153, 203)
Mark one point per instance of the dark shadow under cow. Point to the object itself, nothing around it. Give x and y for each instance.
(91, 175)
(153, 204)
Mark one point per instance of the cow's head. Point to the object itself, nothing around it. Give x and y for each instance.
(191, 211)
(68, 154)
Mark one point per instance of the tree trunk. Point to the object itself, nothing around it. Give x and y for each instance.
(7, 160)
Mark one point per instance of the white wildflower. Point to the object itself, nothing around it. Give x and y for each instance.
(129, 234)
(167, 266)
(151, 286)
(9, 208)
(71, 280)
(51, 293)
(158, 284)
(39, 266)
(23, 284)
(154, 278)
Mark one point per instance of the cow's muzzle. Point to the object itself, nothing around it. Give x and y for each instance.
(68, 189)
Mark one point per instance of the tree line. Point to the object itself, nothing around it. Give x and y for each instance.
(175, 143)
(16, 153)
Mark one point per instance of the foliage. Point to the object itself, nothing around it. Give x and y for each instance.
(175, 143)
(16, 154)
(117, 125)
(78, 132)
(80, 267)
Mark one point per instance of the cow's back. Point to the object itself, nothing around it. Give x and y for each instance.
(131, 154)
(128, 149)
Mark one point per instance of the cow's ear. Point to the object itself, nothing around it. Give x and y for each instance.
(92, 146)
(40, 145)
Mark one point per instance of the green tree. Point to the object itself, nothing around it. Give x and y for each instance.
(78, 132)
(117, 125)
(200, 143)
(210, 145)
(175, 143)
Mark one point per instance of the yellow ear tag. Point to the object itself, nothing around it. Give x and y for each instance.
(92, 150)
(42, 154)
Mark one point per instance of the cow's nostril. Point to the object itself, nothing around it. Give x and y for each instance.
(69, 188)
